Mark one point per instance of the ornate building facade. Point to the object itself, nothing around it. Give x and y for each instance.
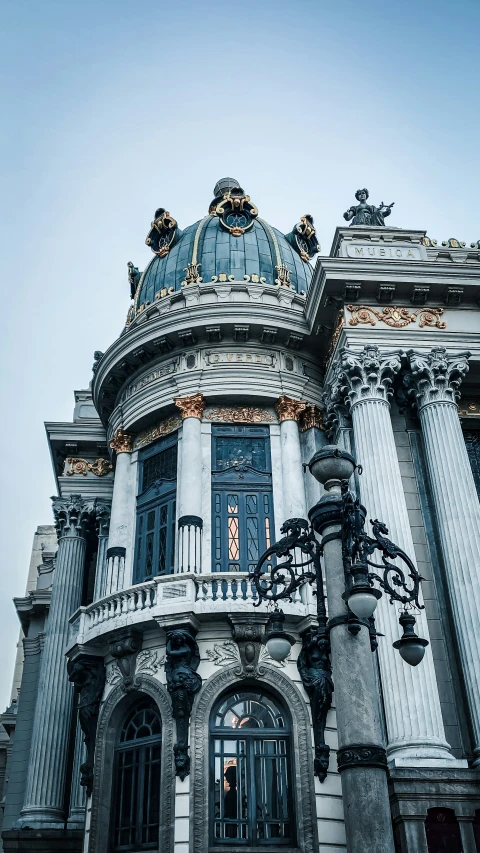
(150, 714)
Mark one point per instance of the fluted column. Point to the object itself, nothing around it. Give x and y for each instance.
(78, 797)
(45, 792)
(190, 521)
(121, 516)
(362, 381)
(289, 412)
(102, 523)
(433, 380)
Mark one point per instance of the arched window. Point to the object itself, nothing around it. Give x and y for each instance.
(250, 765)
(443, 831)
(242, 500)
(155, 533)
(136, 791)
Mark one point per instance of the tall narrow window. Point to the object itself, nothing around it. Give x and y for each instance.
(472, 441)
(241, 496)
(250, 787)
(155, 535)
(136, 811)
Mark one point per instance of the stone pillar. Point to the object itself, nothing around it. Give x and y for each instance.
(121, 515)
(413, 836)
(467, 834)
(433, 380)
(102, 513)
(289, 412)
(362, 381)
(45, 791)
(190, 522)
(78, 798)
(361, 756)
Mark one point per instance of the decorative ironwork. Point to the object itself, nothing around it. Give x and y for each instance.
(396, 317)
(358, 547)
(181, 662)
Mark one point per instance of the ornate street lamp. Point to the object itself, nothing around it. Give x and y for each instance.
(295, 560)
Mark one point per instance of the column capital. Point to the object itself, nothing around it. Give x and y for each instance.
(72, 515)
(288, 409)
(102, 510)
(366, 374)
(311, 417)
(435, 377)
(122, 442)
(191, 407)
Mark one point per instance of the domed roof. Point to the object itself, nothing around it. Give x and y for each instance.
(230, 244)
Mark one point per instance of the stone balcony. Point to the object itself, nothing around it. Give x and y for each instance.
(204, 595)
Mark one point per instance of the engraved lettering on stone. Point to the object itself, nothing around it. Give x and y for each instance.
(394, 253)
(252, 358)
(163, 370)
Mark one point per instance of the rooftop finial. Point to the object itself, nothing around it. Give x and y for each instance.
(224, 185)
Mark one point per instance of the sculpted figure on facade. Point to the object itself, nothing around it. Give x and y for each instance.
(181, 662)
(88, 676)
(315, 670)
(367, 214)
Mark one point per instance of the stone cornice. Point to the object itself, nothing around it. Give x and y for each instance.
(435, 377)
(33, 605)
(358, 376)
(190, 407)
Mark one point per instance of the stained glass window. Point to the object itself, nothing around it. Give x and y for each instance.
(242, 496)
(250, 789)
(156, 512)
(136, 802)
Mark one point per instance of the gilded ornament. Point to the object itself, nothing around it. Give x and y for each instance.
(453, 243)
(100, 467)
(283, 275)
(163, 428)
(163, 233)
(429, 242)
(239, 414)
(469, 408)
(191, 407)
(310, 418)
(192, 274)
(288, 409)
(235, 211)
(122, 442)
(303, 238)
(395, 317)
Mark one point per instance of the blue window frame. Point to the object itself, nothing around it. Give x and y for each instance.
(156, 510)
(242, 500)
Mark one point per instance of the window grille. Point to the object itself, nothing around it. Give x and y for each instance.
(250, 773)
(136, 804)
(242, 500)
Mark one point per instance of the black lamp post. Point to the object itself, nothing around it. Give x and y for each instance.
(348, 634)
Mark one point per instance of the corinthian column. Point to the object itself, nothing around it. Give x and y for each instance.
(433, 381)
(45, 791)
(362, 381)
(190, 521)
(289, 412)
(121, 518)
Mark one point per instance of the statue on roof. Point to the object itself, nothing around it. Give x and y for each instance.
(134, 276)
(367, 214)
(303, 238)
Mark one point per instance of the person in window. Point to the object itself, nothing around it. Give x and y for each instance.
(230, 808)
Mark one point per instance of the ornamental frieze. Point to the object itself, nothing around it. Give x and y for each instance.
(254, 358)
(100, 467)
(396, 317)
(165, 427)
(240, 414)
(162, 370)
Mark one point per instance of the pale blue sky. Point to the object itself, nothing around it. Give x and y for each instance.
(111, 109)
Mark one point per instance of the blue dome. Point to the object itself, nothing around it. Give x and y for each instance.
(254, 255)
